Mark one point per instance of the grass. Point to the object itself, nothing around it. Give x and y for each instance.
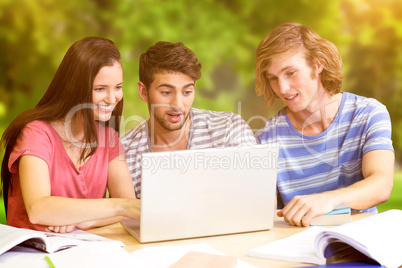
(2, 211)
(395, 201)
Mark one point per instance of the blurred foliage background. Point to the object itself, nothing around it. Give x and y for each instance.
(224, 34)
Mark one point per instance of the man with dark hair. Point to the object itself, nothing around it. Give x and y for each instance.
(168, 75)
(335, 148)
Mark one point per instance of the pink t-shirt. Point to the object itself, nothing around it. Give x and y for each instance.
(40, 139)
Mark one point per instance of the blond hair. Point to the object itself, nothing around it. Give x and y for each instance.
(286, 40)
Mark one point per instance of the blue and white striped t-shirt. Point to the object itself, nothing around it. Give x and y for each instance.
(333, 158)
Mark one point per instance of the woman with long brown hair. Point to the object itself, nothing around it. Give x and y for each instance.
(62, 156)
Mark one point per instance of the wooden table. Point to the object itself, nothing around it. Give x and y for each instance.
(236, 245)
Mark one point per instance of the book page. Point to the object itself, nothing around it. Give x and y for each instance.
(168, 255)
(21, 256)
(108, 255)
(195, 259)
(11, 236)
(95, 254)
(296, 248)
(50, 242)
(378, 236)
(58, 241)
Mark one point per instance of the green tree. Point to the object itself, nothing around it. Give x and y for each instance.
(224, 34)
(374, 57)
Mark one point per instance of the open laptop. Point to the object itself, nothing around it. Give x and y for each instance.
(205, 192)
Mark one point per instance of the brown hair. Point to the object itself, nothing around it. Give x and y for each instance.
(168, 57)
(71, 86)
(286, 40)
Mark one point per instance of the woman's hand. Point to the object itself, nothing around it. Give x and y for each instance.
(62, 229)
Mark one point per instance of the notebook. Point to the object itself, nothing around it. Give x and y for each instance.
(206, 192)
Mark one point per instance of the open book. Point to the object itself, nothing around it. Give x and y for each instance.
(378, 237)
(49, 242)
